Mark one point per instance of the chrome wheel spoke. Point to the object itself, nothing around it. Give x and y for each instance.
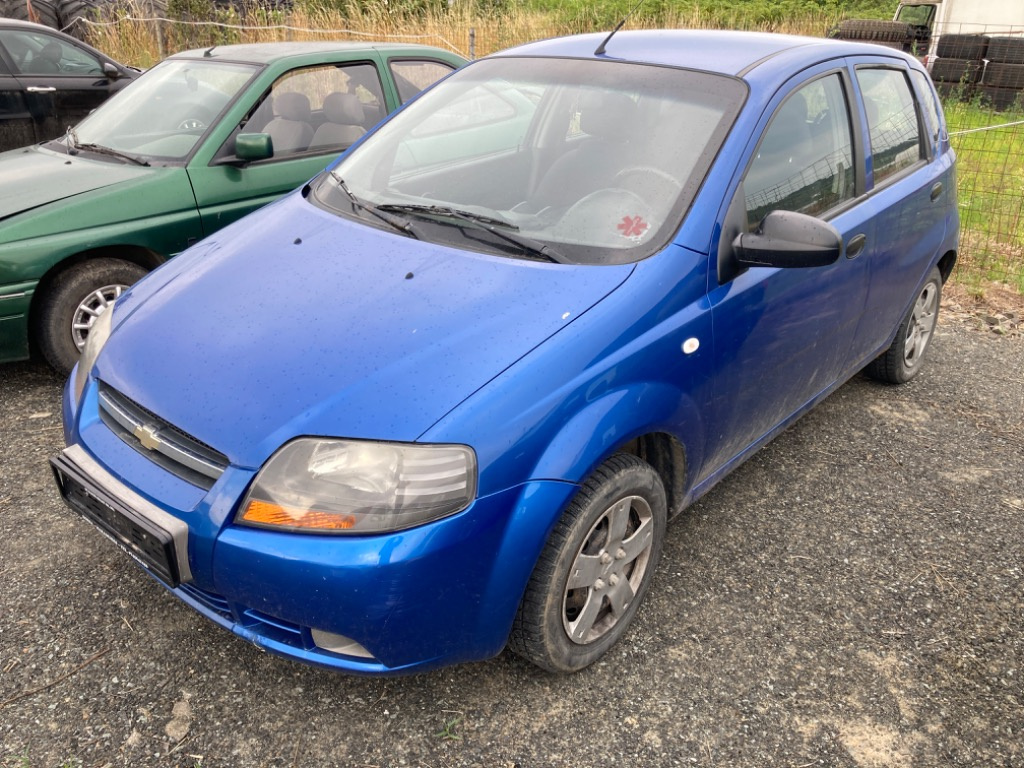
(618, 521)
(638, 543)
(620, 596)
(580, 629)
(585, 571)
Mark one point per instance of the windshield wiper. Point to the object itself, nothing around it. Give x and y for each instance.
(395, 222)
(74, 148)
(488, 223)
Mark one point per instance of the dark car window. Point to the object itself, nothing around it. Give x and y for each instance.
(805, 159)
(319, 108)
(895, 132)
(36, 53)
(412, 76)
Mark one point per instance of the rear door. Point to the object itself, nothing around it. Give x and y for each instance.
(909, 186)
(62, 82)
(17, 128)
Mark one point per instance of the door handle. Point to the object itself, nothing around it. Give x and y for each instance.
(936, 190)
(855, 246)
(41, 89)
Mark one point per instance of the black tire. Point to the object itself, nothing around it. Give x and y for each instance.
(1006, 50)
(72, 12)
(40, 11)
(956, 71)
(1005, 76)
(961, 47)
(1000, 99)
(81, 291)
(875, 30)
(903, 359)
(609, 539)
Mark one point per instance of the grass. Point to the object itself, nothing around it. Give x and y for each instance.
(990, 172)
(991, 163)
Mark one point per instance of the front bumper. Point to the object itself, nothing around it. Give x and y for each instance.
(442, 593)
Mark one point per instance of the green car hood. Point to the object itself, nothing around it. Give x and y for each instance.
(33, 177)
(44, 192)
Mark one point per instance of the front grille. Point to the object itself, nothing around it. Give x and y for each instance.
(179, 453)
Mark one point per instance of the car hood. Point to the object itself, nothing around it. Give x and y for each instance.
(35, 176)
(294, 321)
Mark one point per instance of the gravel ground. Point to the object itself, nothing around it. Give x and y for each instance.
(852, 596)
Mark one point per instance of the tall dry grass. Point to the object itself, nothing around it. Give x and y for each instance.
(468, 28)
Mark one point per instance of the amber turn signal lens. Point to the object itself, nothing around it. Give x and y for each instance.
(264, 513)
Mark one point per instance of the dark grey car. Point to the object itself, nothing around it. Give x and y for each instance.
(48, 81)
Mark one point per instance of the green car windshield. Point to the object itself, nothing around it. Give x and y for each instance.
(577, 161)
(164, 113)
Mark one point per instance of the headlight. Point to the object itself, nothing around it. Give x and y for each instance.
(354, 486)
(98, 335)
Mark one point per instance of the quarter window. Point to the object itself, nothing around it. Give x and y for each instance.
(894, 130)
(804, 162)
(411, 76)
(930, 108)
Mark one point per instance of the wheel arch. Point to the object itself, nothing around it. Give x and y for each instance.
(946, 264)
(653, 421)
(146, 258)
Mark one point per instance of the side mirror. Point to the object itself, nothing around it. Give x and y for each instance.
(787, 239)
(250, 147)
(110, 71)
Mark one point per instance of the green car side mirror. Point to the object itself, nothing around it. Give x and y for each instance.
(253, 146)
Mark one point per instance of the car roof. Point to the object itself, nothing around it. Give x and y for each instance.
(724, 52)
(266, 53)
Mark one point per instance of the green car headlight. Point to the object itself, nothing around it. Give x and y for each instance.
(357, 487)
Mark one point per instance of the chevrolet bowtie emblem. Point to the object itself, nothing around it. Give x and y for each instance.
(146, 434)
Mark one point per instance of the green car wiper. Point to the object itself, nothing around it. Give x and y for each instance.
(488, 223)
(99, 149)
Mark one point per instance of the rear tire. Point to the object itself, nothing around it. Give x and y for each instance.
(595, 569)
(42, 11)
(74, 300)
(903, 359)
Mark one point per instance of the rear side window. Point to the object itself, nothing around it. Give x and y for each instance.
(412, 76)
(804, 162)
(894, 130)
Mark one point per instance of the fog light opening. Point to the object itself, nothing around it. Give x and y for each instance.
(346, 646)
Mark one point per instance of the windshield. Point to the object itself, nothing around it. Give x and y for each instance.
(166, 110)
(569, 160)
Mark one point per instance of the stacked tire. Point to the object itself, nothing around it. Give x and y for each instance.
(892, 34)
(1003, 83)
(960, 64)
(66, 15)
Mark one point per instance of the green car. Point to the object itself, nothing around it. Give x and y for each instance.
(198, 141)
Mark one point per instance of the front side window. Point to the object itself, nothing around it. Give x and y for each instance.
(37, 53)
(412, 76)
(929, 105)
(324, 108)
(804, 162)
(578, 161)
(894, 130)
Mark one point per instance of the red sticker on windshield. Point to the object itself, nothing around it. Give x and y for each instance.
(633, 227)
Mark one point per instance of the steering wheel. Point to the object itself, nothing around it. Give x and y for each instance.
(191, 124)
(639, 178)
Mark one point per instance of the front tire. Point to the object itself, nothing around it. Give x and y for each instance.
(72, 303)
(902, 360)
(595, 569)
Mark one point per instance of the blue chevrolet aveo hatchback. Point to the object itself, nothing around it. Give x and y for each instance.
(444, 398)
